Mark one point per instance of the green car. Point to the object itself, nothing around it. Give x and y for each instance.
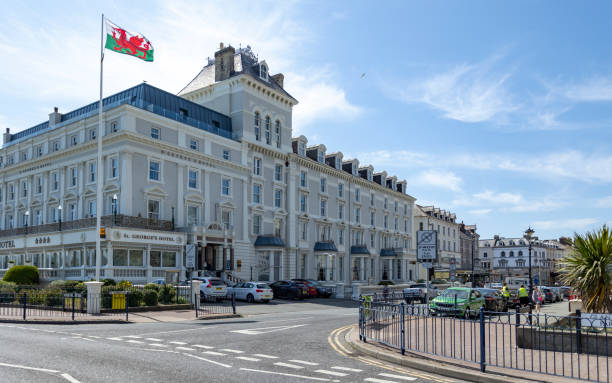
(457, 301)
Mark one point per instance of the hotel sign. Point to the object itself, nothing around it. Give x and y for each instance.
(148, 237)
(10, 244)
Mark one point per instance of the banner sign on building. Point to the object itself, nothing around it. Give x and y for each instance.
(452, 269)
(190, 256)
(427, 245)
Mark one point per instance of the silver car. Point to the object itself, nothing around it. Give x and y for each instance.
(252, 292)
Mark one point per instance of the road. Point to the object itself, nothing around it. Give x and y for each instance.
(280, 342)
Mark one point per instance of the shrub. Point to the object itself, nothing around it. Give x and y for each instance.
(33, 297)
(63, 285)
(22, 275)
(385, 283)
(150, 297)
(108, 282)
(181, 300)
(54, 297)
(124, 285)
(167, 294)
(151, 286)
(81, 288)
(135, 298)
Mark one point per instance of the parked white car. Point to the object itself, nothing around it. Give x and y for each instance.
(252, 292)
(212, 288)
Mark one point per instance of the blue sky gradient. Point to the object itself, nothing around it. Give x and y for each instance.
(497, 111)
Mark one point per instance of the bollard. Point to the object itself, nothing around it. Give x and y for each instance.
(73, 302)
(127, 305)
(482, 340)
(234, 303)
(196, 304)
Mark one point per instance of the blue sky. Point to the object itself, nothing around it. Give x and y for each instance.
(497, 111)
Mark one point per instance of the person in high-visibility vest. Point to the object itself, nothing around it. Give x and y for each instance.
(523, 296)
(505, 294)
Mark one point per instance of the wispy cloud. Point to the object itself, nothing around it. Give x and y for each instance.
(474, 92)
(439, 179)
(569, 164)
(564, 224)
(604, 202)
(480, 211)
(507, 202)
(597, 88)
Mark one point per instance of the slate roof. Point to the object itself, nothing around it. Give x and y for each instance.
(244, 63)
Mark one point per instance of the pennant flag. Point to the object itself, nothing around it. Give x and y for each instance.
(122, 41)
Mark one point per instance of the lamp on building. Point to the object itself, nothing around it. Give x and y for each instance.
(59, 209)
(528, 234)
(473, 237)
(27, 218)
(115, 209)
(172, 207)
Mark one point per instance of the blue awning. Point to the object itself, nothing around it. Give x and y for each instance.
(325, 246)
(388, 252)
(360, 250)
(268, 241)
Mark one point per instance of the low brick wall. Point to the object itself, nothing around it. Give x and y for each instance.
(563, 341)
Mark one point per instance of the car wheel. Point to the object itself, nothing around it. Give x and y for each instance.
(466, 313)
(265, 301)
(250, 298)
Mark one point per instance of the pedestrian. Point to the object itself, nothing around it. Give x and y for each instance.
(537, 298)
(523, 296)
(505, 294)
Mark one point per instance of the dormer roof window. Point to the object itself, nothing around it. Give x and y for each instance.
(320, 157)
(301, 148)
(263, 71)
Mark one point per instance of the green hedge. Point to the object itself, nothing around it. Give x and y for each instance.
(22, 275)
(166, 294)
(152, 286)
(150, 297)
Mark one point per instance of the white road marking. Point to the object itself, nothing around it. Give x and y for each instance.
(295, 366)
(134, 341)
(397, 376)
(266, 356)
(158, 345)
(202, 346)
(207, 360)
(265, 330)
(291, 375)
(232, 351)
(29, 368)
(248, 358)
(176, 342)
(70, 378)
(185, 348)
(133, 336)
(334, 373)
(94, 336)
(115, 338)
(304, 362)
(213, 353)
(154, 339)
(173, 331)
(374, 380)
(346, 369)
(74, 333)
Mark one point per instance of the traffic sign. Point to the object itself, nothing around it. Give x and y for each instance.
(427, 245)
(427, 265)
(190, 256)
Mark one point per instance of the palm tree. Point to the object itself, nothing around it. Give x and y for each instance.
(588, 269)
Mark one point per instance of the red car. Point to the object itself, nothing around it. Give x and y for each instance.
(312, 289)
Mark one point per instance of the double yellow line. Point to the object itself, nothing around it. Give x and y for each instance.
(334, 342)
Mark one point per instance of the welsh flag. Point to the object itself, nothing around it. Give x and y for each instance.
(122, 41)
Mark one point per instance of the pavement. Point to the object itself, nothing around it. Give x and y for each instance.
(282, 342)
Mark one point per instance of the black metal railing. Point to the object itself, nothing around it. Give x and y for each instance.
(108, 220)
(574, 346)
(208, 305)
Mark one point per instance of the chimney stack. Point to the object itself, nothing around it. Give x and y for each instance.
(7, 136)
(279, 79)
(55, 117)
(224, 62)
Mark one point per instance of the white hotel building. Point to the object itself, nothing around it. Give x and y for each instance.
(215, 166)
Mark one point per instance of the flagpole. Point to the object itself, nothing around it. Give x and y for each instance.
(99, 164)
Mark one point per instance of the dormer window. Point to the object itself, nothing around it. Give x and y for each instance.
(320, 156)
(369, 173)
(301, 148)
(338, 163)
(263, 71)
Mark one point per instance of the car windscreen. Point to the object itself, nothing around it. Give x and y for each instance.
(217, 282)
(487, 292)
(263, 286)
(460, 294)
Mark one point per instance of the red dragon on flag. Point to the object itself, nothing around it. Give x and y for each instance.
(122, 41)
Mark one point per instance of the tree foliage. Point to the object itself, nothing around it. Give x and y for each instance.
(588, 269)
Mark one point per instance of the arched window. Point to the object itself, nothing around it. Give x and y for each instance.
(512, 253)
(277, 133)
(267, 131)
(503, 253)
(520, 254)
(263, 71)
(257, 125)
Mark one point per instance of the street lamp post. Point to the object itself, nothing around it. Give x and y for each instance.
(115, 209)
(172, 217)
(27, 218)
(528, 234)
(473, 236)
(59, 208)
